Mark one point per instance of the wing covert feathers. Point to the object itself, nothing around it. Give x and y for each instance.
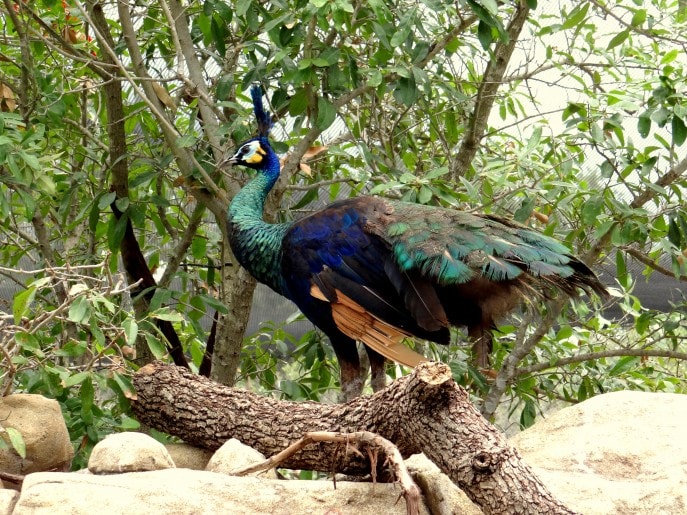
(355, 322)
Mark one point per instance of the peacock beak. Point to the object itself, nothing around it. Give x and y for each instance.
(227, 161)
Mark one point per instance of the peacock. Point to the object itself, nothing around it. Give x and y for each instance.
(377, 271)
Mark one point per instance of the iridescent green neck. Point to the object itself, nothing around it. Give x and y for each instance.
(256, 243)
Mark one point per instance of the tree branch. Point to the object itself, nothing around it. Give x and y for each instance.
(424, 411)
(183, 245)
(195, 70)
(486, 94)
(132, 257)
(365, 440)
(522, 348)
(591, 356)
(642, 258)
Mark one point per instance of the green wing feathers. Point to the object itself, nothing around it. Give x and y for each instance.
(453, 248)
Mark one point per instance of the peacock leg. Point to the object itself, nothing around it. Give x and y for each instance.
(482, 345)
(346, 352)
(377, 369)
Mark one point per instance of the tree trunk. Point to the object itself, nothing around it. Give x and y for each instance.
(237, 294)
(425, 411)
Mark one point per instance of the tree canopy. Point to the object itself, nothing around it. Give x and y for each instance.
(568, 116)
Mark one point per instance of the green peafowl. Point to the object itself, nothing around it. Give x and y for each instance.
(377, 271)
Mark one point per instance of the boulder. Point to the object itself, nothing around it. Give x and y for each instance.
(621, 453)
(441, 496)
(8, 499)
(187, 456)
(128, 452)
(183, 491)
(42, 426)
(233, 455)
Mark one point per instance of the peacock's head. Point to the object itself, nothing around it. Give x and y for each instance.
(253, 154)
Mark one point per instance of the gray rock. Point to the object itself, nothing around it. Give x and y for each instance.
(41, 424)
(620, 453)
(183, 491)
(233, 455)
(8, 499)
(442, 497)
(128, 452)
(187, 456)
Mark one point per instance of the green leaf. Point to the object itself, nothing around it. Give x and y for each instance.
(674, 235)
(489, 19)
(75, 379)
(28, 342)
(437, 172)
(424, 195)
(105, 200)
(638, 18)
(406, 91)
(22, 303)
(72, 349)
(30, 160)
(97, 332)
(298, 103)
(644, 124)
(592, 209)
(212, 302)
(375, 78)
(618, 39)
(16, 440)
(525, 210)
(115, 233)
(80, 309)
(169, 316)
(670, 56)
(199, 247)
(130, 330)
(528, 415)
(484, 34)
(124, 384)
(122, 203)
(642, 322)
(158, 348)
(310, 196)
(186, 141)
(623, 365)
(87, 395)
(534, 139)
(405, 27)
(576, 16)
(660, 116)
(679, 131)
(326, 114)
(128, 424)
(242, 7)
(621, 269)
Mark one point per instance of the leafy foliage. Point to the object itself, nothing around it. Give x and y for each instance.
(583, 139)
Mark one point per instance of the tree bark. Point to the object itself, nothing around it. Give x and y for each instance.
(425, 411)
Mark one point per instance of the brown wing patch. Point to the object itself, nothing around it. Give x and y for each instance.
(355, 322)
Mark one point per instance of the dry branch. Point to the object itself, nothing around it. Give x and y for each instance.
(425, 411)
(353, 442)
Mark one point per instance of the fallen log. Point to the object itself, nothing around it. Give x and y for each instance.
(425, 411)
